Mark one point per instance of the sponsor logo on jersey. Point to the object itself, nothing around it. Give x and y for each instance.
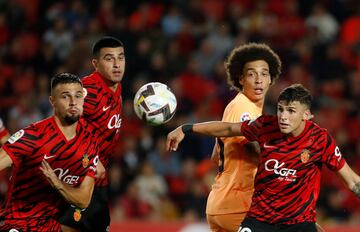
(245, 116)
(114, 122)
(15, 137)
(105, 108)
(46, 156)
(64, 177)
(85, 161)
(269, 146)
(273, 165)
(305, 156)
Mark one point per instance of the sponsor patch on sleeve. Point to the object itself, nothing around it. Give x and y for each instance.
(15, 137)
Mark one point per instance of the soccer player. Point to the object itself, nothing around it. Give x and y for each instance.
(293, 151)
(251, 69)
(102, 112)
(51, 158)
(4, 134)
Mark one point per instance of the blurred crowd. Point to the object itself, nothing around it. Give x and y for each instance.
(183, 44)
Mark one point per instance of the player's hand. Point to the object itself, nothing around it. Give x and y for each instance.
(174, 138)
(100, 171)
(50, 174)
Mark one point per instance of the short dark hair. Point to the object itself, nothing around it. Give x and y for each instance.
(243, 54)
(64, 78)
(106, 42)
(296, 92)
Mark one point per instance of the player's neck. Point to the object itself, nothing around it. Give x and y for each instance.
(259, 103)
(113, 87)
(69, 131)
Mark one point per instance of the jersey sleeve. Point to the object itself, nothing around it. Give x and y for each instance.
(21, 144)
(237, 111)
(94, 160)
(251, 128)
(332, 156)
(90, 101)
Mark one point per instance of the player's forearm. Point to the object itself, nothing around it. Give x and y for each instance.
(4, 139)
(356, 189)
(80, 196)
(5, 160)
(217, 129)
(351, 179)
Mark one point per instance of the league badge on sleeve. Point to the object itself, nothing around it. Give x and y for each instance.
(15, 137)
(244, 117)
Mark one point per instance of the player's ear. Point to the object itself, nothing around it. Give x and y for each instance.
(241, 79)
(51, 100)
(94, 63)
(307, 115)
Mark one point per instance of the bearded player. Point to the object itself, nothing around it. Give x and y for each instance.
(52, 160)
(102, 112)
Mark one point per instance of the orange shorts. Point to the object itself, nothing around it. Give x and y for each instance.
(225, 222)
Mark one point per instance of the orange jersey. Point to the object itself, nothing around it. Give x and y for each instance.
(234, 184)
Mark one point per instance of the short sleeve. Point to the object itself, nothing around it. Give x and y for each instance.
(94, 160)
(20, 144)
(332, 156)
(251, 128)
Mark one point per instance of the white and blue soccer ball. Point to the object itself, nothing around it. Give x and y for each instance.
(154, 103)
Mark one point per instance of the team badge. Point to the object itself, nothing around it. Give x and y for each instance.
(244, 117)
(305, 156)
(85, 161)
(77, 215)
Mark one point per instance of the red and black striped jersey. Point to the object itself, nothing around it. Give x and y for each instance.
(287, 183)
(3, 130)
(31, 203)
(102, 112)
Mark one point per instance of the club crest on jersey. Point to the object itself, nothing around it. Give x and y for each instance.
(305, 156)
(244, 117)
(15, 137)
(85, 161)
(77, 215)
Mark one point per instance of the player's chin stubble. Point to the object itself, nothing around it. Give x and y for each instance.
(69, 120)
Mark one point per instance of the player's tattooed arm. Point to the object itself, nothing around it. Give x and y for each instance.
(351, 179)
(356, 189)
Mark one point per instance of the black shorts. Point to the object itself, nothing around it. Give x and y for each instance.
(94, 218)
(252, 225)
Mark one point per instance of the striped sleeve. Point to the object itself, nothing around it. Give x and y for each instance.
(332, 157)
(21, 144)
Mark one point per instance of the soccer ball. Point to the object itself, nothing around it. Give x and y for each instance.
(154, 103)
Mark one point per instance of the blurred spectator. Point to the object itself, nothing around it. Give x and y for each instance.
(165, 164)
(172, 21)
(23, 114)
(60, 38)
(322, 23)
(152, 187)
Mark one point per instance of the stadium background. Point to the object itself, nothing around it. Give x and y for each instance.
(183, 44)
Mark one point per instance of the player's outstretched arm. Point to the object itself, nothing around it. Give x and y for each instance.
(5, 160)
(79, 196)
(215, 129)
(351, 179)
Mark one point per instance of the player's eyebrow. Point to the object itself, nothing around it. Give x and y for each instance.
(251, 68)
(113, 55)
